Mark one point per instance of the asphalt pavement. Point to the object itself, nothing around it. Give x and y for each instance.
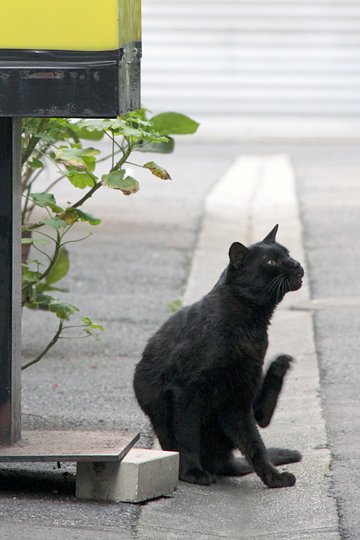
(166, 243)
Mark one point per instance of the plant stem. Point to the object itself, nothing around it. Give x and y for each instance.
(126, 153)
(25, 209)
(99, 184)
(26, 177)
(54, 258)
(33, 142)
(46, 272)
(87, 195)
(135, 164)
(47, 348)
(54, 183)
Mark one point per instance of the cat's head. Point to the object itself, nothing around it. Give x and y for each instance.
(264, 272)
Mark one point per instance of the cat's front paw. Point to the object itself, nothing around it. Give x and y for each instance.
(197, 476)
(281, 480)
(280, 365)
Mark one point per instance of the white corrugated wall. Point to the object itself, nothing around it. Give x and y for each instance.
(253, 58)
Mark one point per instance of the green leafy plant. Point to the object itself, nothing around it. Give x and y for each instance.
(175, 305)
(62, 144)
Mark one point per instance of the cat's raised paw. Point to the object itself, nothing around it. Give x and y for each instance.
(197, 476)
(280, 365)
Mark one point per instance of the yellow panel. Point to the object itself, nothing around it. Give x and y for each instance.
(89, 25)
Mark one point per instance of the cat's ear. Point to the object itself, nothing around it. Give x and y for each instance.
(236, 254)
(271, 237)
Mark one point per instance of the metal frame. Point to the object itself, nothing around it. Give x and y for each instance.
(10, 280)
(70, 83)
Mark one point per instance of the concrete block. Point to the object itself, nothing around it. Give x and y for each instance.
(141, 475)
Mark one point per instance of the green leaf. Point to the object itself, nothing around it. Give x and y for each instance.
(131, 185)
(42, 287)
(172, 123)
(55, 223)
(47, 130)
(36, 163)
(99, 125)
(117, 180)
(39, 300)
(120, 126)
(60, 269)
(30, 276)
(45, 200)
(139, 117)
(89, 323)
(89, 332)
(90, 327)
(114, 179)
(81, 179)
(135, 127)
(162, 147)
(89, 218)
(34, 261)
(158, 171)
(175, 305)
(63, 310)
(89, 133)
(69, 216)
(77, 158)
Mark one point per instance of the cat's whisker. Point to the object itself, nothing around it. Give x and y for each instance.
(285, 287)
(277, 286)
(275, 280)
(274, 283)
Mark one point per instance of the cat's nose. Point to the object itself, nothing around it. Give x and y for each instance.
(295, 275)
(296, 268)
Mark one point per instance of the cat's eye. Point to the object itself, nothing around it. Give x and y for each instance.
(272, 262)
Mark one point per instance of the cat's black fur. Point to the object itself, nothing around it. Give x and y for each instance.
(200, 376)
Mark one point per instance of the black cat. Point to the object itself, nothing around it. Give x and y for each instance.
(200, 376)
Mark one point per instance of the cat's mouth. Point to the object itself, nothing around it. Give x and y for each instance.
(295, 281)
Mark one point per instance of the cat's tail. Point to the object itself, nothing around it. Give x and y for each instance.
(277, 456)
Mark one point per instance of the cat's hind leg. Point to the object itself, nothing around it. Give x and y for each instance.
(187, 421)
(216, 449)
(161, 414)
